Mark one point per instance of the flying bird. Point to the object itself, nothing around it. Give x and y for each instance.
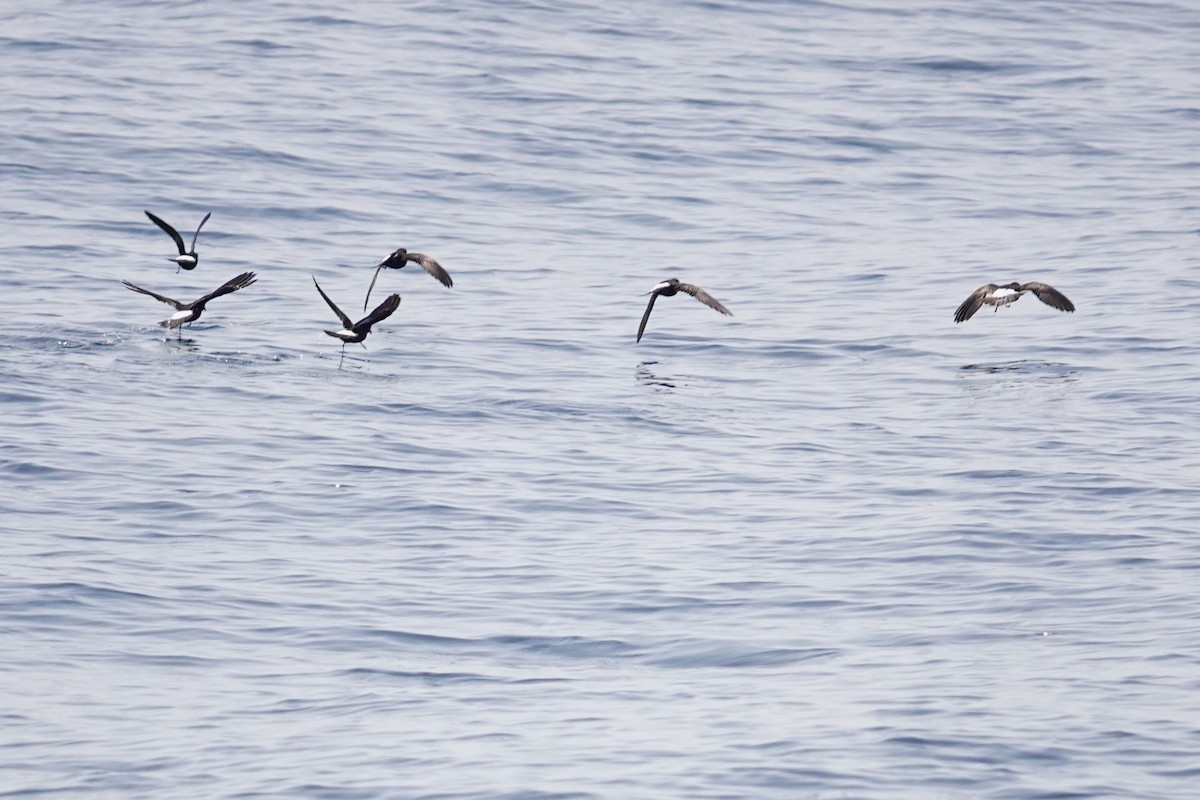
(671, 287)
(187, 259)
(190, 312)
(998, 296)
(357, 331)
(399, 258)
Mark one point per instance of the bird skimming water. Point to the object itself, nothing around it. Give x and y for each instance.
(670, 288)
(994, 295)
(399, 258)
(190, 312)
(357, 331)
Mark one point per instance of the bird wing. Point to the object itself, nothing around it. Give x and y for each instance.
(973, 303)
(178, 305)
(367, 299)
(646, 315)
(345, 320)
(231, 285)
(432, 267)
(704, 297)
(197, 233)
(382, 312)
(1049, 295)
(174, 234)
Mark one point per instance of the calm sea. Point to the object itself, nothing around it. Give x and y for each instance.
(833, 546)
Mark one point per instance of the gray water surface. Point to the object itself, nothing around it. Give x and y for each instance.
(833, 546)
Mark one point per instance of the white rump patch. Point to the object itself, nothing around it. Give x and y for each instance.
(181, 316)
(1006, 293)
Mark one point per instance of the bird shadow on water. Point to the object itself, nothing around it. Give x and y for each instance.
(1043, 369)
(198, 350)
(1004, 376)
(180, 344)
(646, 375)
(346, 361)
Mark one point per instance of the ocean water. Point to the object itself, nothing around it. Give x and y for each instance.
(833, 546)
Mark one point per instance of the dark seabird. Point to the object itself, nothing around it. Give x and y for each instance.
(190, 312)
(671, 287)
(399, 258)
(187, 259)
(997, 296)
(357, 331)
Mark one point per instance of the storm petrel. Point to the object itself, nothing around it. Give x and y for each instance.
(187, 259)
(671, 287)
(399, 258)
(357, 331)
(190, 312)
(998, 296)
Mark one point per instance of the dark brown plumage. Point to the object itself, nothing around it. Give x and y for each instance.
(995, 295)
(357, 331)
(671, 287)
(187, 259)
(399, 258)
(190, 312)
